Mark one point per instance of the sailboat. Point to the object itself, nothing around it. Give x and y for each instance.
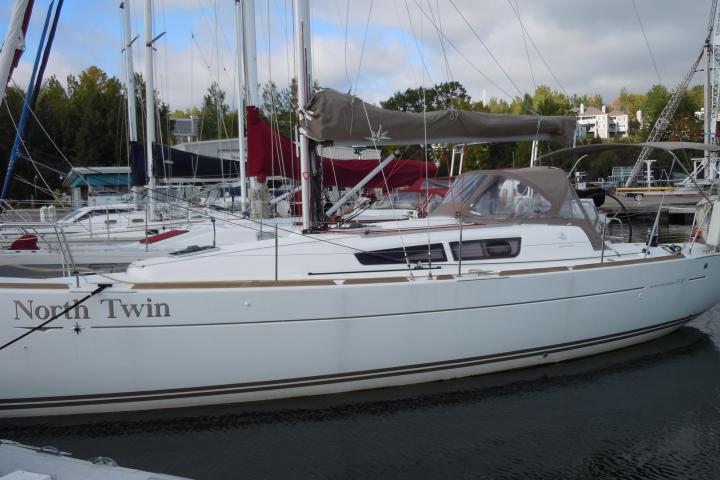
(507, 272)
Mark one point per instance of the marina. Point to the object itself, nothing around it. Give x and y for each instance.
(302, 279)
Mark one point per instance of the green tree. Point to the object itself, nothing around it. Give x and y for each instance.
(213, 114)
(279, 106)
(83, 124)
(439, 97)
(655, 101)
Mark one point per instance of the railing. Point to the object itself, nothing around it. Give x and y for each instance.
(41, 230)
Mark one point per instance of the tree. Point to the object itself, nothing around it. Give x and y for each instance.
(213, 114)
(279, 106)
(439, 97)
(655, 101)
(628, 102)
(589, 101)
(84, 122)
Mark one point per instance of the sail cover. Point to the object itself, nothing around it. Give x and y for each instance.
(177, 164)
(342, 119)
(272, 154)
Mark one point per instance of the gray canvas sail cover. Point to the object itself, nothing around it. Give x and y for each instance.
(343, 119)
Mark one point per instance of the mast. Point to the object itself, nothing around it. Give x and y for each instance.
(14, 44)
(130, 89)
(259, 192)
(302, 61)
(252, 95)
(129, 71)
(241, 101)
(149, 105)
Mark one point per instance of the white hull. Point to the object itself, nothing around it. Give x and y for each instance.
(224, 342)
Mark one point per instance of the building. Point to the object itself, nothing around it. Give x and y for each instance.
(601, 124)
(97, 185)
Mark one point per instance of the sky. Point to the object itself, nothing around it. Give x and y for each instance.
(375, 48)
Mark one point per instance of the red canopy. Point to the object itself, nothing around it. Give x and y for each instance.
(272, 154)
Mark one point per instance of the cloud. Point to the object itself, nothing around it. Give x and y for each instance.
(590, 47)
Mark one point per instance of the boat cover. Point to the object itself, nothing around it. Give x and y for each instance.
(336, 118)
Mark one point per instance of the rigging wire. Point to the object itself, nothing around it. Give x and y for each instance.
(438, 29)
(25, 147)
(417, 44)
(542, 58)
(487, 49)
(470, 62)
(647, 43)
(362, 50)
(524, 39)
(347, 21)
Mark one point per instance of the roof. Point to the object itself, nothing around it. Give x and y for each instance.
(589, 111)
(107, 180)
(98, 170)
(97, 176)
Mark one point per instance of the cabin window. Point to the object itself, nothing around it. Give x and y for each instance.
(415, 254)
(138, 220)
(110, 222)
(485, 249)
